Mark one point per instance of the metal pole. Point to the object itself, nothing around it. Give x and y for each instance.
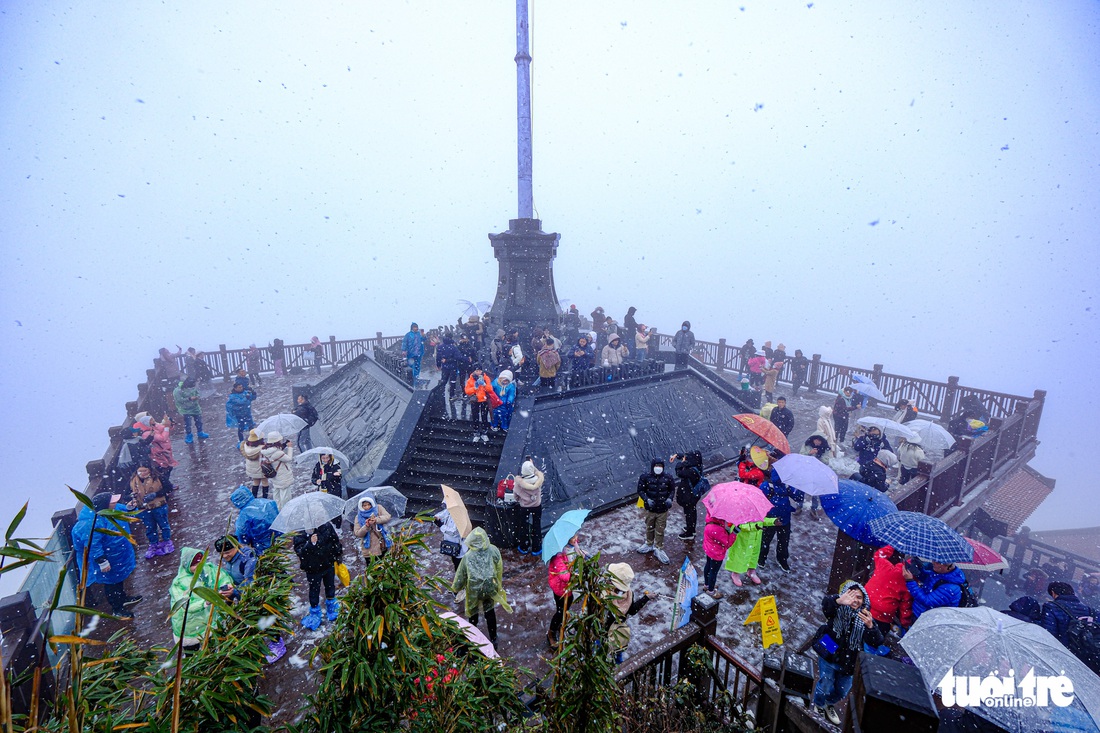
(523, 100)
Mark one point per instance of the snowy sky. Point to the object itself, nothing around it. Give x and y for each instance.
(912, 184)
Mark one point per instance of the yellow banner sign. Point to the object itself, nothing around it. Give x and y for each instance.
(767, 615)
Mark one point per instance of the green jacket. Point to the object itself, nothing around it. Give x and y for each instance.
(187, 400)
(745, 550)
(197, 610)
(481, 574)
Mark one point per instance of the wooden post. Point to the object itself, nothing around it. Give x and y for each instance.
(332, 350)
(378, 339)
(876, 377)
(815, 373)
(949, 396)
(964, 444)
(721, 355)
(225, 362)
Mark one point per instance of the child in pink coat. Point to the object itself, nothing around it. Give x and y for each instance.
(718, 535)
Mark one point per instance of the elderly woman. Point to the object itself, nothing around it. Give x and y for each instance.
(480, 574)
(370, 526)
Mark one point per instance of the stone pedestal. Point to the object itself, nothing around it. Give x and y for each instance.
(525, 297)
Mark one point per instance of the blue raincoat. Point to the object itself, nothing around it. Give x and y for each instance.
(254, 521)
(118, 550)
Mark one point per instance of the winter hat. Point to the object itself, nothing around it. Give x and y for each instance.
(527, 470)
(612, 337)
(274, 437)
(500, 333)
(104, 499)
(622, 575)
(142, 417)
(506, 374)
(253, 436)
(365, 500)
(887, 458)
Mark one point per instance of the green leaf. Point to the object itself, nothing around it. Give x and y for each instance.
(214, 598)
(81, 497)
(15, 523)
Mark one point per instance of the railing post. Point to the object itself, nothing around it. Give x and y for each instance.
(721, 355)
(225, 362)
(815, 373)
(378, 339)
(949, 396)
(876, 377)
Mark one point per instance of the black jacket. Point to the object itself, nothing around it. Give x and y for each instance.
(656, 490)
(307, 412)
(329, 482)
(783, 419)
(845, 657)
(448, 357)
(630, 327)
(322, 556)
(873, 475)
(799, 364)
(689, 471)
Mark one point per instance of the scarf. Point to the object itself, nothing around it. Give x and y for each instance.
(846, 627)
(363, 516)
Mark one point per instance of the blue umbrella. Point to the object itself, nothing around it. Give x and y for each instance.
(562, 531)
(854, 506)
(921, 535)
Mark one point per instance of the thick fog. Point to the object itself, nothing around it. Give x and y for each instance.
(907, 184)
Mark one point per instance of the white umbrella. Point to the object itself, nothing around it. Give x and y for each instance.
(932, 435)
(890, 427)
(301, 457)
(978, 642)
(308, 511)
(870, 389)
(807, 474)
(284, 423)
(389, 497)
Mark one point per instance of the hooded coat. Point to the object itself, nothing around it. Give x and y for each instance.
(690, 472)
(849, 633)
(238, 410)
(780, 495)
(886, 590)
(718, 536)
(614, 355)
(826, 428)
(198, 611)
(867, 447)
(479, 386)
(325, 476)
(280, 457)
(909, 454)
(375, 538)
(528, 490)
(584, 361)
(481, 574)
(160, 450)
(187, 400)
(1026, 609)
(656, 490)
(684, 340)
(744, 554)
(254, 520)
(116, 550)
(251, 455)
(413, 344)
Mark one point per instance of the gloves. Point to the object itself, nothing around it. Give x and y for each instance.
(668, 504)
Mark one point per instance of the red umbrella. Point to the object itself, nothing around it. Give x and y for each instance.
(985, 558)
(764, 428)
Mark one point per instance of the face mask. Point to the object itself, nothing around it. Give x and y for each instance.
(658, 470)
(685, 328)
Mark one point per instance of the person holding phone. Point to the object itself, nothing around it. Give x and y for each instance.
(838, 642)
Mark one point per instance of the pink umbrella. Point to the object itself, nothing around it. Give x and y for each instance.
(737, 503)
(985, 558)
(474, 634)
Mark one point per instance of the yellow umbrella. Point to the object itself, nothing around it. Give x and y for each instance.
(458, 511)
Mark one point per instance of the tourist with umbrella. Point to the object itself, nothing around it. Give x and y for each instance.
(328, 476)
(452, 544)
(874, 473)
(480, 574)
(747, 470)
(886, 590)
(909, 454)
(318, 551)
(276, 464)
(746, 508)
(251, 449)
(780, 495)
(370, 525)
(765, 429)
(843, 405)
(838, 642)
(869, 441)
(560, 547)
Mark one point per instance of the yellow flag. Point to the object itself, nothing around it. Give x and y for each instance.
(767, 615)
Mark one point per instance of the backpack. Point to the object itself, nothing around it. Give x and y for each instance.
(967, 599)
(268, 468)
(701, 487)
(1083, 637)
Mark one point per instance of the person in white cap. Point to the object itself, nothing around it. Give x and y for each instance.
(276, 465)
(506, 391)
(626, 605)
(528, 491)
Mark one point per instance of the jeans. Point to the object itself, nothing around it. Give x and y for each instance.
(907, 475)
(414, 364)
(815, 503)
(156, 523)
(782, 533)
(198, 423)
(832, 684)
(328, 577)
(710, 572)
(529, 520)
(655, 528)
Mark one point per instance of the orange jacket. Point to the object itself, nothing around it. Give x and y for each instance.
(481, 391)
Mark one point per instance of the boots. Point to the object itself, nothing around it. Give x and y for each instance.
(332, 609)
(313, 620)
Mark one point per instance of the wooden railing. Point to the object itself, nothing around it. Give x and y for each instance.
(1025, 554)
(939, 399)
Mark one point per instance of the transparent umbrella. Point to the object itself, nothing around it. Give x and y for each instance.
(932, 435)
(284, 423)
(946, 643)
(388, 497)
(308, 511)
(315, 453)
(891, 428)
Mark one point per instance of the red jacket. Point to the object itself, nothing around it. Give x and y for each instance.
(749, 473)
(890, 599)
